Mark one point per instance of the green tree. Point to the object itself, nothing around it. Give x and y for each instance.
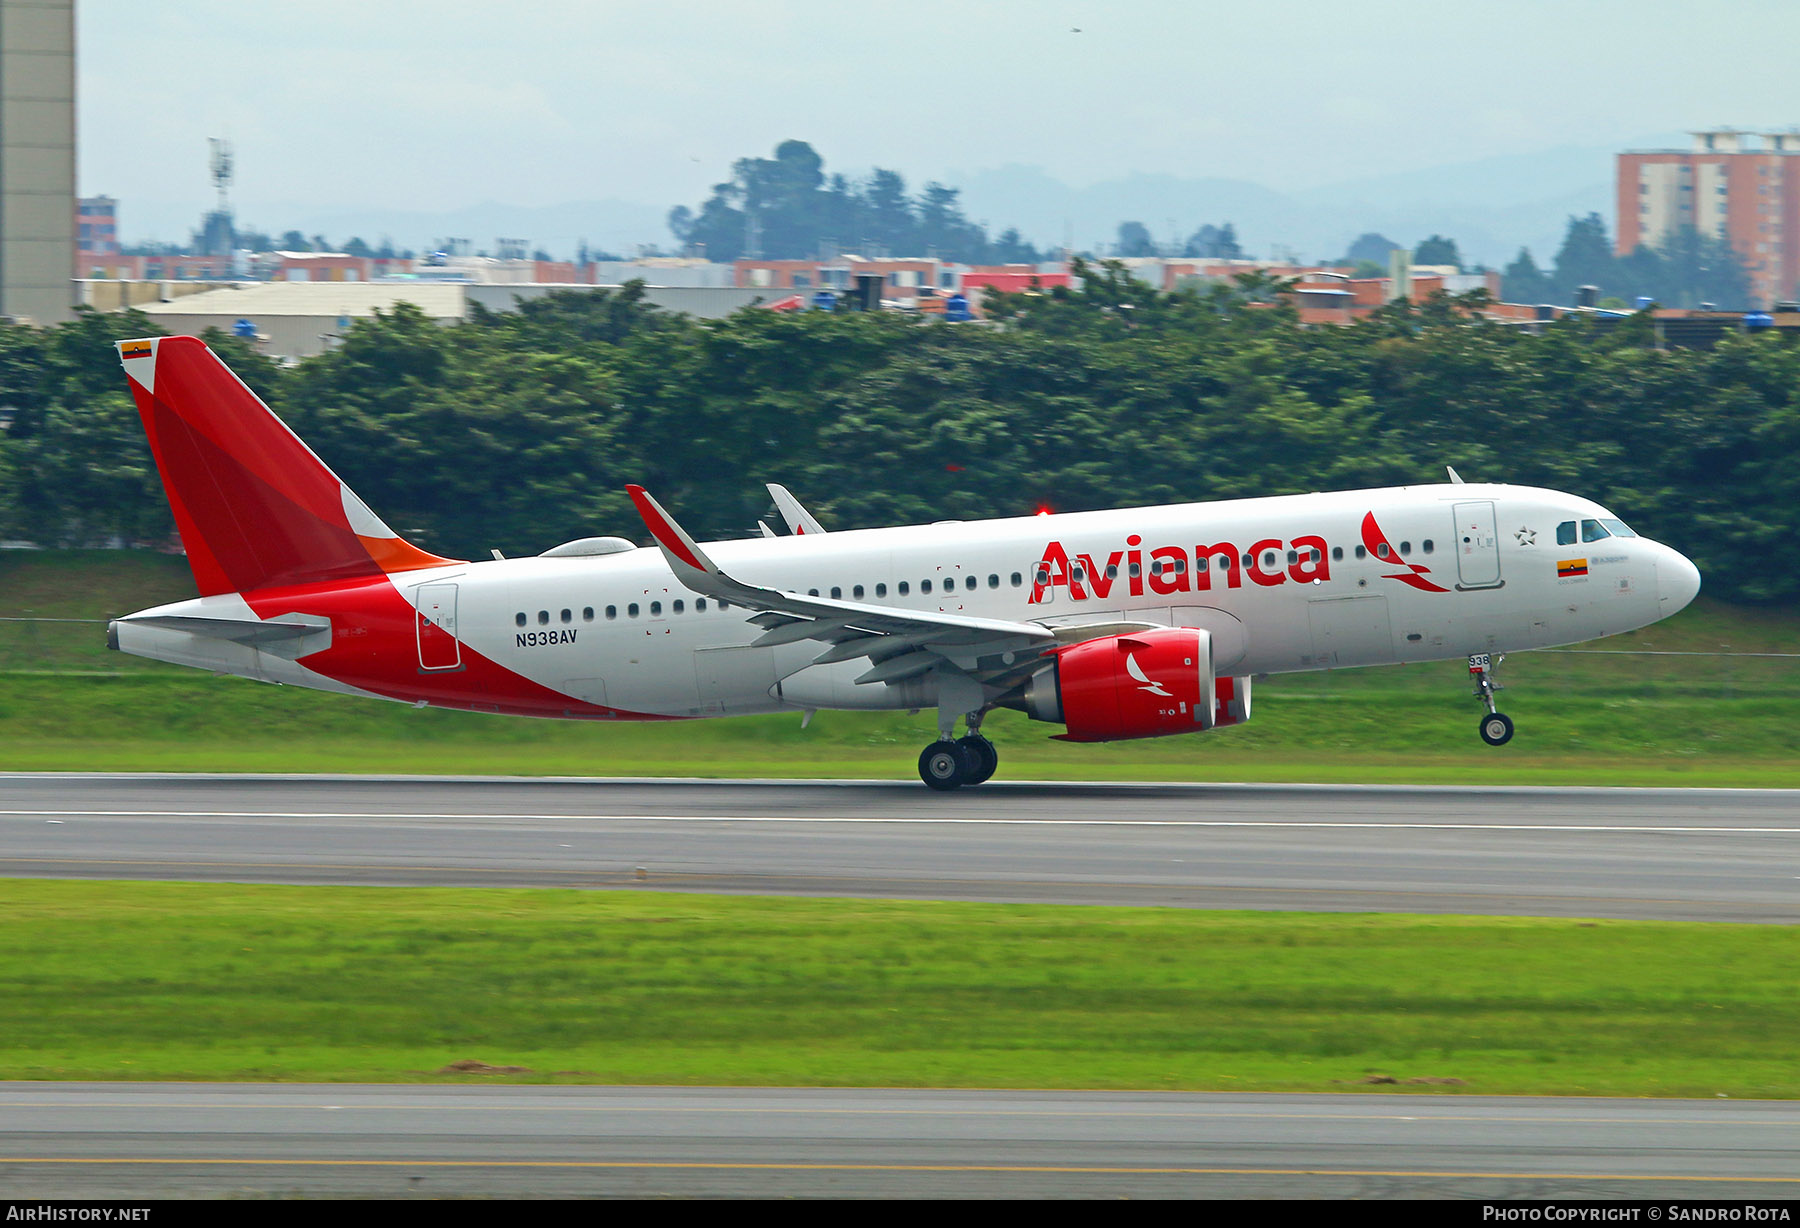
(1585, 259)
(1522, 281)
(1371, 247)
(1134, 240)
(1437, 250)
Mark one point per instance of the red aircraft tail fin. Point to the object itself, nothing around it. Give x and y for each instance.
(254, 506)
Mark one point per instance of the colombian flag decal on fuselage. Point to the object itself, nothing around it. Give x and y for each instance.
(1571, 567)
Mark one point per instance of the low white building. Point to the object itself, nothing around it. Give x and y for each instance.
(297, 319)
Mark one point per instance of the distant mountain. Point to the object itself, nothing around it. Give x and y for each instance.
(619, 226)
(1490, 206)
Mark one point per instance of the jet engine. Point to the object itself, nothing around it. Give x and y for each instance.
(1147, 684)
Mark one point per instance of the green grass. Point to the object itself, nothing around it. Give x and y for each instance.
(193, 981)
(68, 704)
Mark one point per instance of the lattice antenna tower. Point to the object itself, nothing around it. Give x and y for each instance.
(221, 170)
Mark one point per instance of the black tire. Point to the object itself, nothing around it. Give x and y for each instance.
(943, 766)
(981, 757)
(1496, 729)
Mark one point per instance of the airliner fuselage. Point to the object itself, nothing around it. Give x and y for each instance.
(1127, 623)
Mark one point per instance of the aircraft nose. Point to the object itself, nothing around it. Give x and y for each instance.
(1677, 582)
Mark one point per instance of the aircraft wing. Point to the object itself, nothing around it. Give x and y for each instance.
(900, 643)
(799, 520)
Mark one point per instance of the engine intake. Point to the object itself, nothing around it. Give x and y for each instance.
(1147, 684)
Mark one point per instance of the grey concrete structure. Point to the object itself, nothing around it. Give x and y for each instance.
(37, 159)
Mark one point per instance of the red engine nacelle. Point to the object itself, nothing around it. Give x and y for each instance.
(1147, 684)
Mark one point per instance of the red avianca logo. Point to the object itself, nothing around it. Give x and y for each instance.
(1377, 544)
(1177, 569)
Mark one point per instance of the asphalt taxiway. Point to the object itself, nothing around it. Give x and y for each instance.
(147, 1141)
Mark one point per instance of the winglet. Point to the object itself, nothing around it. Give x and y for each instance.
(800, 522)
(683, 553)
(1455, 477)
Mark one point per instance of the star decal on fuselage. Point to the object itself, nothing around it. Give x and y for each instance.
(1527, 537)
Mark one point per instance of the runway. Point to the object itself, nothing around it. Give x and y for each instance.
(205, 1140)
(1716, 855)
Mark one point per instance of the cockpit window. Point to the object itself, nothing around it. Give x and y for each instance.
(1593, 531)
(1618, 528)
(1565, 533)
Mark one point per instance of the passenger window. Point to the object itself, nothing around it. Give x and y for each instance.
(632, 609)
(1405, 547)
(993, 581)
(1565, 533)
(1201, 564)
(1293, 556)
(924, 586)
(655, 607)
(1249, 561)
(678, 605)
(1136, 570)
(1593, 531)
(1381, 549)
(1079, 573)
(587, 614)
(699, 605)
(612, 611)
(969, 583)
(881, 590)
(543, 618)
(857, 592)
(1337, 554)
(837, 594)
(1268, 558)
(812, 592)
(1361, 553)
(904, 588)
(1112, 571)
(1427, 545)
(568, 616)
(1018, 580)
(519, 618)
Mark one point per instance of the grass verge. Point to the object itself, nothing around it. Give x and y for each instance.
(196, 981)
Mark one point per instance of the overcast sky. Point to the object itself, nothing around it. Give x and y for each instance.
(395, 104)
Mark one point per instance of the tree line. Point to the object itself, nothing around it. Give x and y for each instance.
(787, 208)
(518, 430)
(1686, 269)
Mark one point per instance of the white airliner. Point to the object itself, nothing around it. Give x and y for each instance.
(1133, 623)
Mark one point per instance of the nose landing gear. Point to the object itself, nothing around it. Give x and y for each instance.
(1496, 727)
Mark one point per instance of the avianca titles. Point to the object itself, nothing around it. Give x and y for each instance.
(1134, 623)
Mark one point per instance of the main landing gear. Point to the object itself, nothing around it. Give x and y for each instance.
(1496, 727)
(950, 764)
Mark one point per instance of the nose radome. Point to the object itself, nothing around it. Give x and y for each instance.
(1677, 582)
